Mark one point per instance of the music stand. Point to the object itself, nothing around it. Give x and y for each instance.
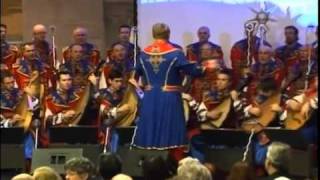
(291, 137)
(227, 137)
(233, 142)
(125, 134)
(74, 135)
(12, 148)
(13, 135)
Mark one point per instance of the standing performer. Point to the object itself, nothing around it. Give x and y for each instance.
(162, 122)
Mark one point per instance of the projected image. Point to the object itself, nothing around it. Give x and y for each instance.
(225, 19)
(307, 11)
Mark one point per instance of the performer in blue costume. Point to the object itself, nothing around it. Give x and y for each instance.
(162, 123)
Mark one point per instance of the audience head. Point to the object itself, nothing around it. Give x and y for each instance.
(161, 31)
(23, 176)
(155, 168)
(78, 168)
(277, 159)
(121, 177)
(203, 34)
(39, 32)
(192, 169)
(46, 173)
(241, 171)
(109, 165)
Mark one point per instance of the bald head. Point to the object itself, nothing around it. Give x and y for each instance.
(203, 34)
(121, 177)
(265, 54)
(80, 35)
(161, 31)
(39, 32)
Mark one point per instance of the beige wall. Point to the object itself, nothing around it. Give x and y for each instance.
(101, 17)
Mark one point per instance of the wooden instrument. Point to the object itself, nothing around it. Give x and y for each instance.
(130, 99)
(23, 108)
(223, 108)
(266, 117)
(295, 119)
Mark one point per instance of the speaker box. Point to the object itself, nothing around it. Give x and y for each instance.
(300, 163)
(224, 158)
(133, 158)
(90, 151)
(55, 157)
(12, 156)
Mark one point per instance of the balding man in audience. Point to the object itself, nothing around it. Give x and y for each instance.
(277, 161)
(80, 37)
(193, 50)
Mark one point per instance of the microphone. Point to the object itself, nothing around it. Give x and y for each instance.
(36, 124)
(52, 28)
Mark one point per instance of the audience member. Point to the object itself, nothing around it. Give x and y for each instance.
(78, 168)
(22, 176)
(109, 165)
(46, 173)
(241, 171)
(277, 161)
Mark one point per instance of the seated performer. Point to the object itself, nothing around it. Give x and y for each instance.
(193, 50)
(77, 65)
(9, 53)
(30, 66)
(90, 51)
(218, 109)
(66, 105)
(119, 60)
(15, 111)
(259, 112)
(301, 73)
(299, 112)
(243, 54)
(265, 67)
(110, 112)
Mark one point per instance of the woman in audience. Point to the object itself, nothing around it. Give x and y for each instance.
(241, 171)
(46, 173)
(109, 165)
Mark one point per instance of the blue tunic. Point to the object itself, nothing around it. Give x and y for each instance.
(162, 123)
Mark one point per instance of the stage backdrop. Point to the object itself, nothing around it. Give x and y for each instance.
(225, 18)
